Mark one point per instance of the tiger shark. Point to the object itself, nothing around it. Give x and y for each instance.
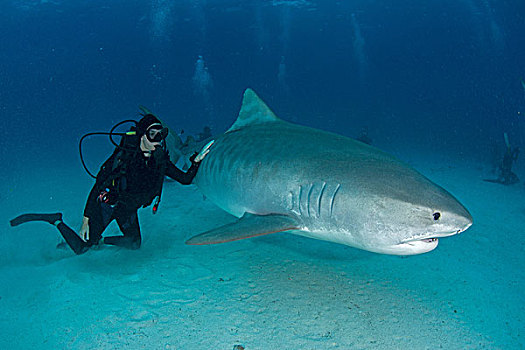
(276, 176)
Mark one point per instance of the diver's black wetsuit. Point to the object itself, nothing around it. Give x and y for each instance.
(126, 181)
(131, 182)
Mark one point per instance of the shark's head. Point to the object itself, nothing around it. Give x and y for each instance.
(415, 228)
(406, 220)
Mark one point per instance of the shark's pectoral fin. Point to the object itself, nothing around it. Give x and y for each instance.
(249, 225)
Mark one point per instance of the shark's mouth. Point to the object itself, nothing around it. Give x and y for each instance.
(429, 240)
(431, 237)
(420, 244)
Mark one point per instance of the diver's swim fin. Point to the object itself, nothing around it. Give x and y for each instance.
(50, 218)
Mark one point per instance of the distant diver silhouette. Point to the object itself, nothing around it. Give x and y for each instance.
(506, 176)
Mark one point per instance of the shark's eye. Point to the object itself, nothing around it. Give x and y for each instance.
(436, 215)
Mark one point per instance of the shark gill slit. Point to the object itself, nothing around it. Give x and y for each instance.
(299, 199)
(332, 200)
(308, 199)
(319, 200)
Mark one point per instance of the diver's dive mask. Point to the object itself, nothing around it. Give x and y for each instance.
(156, 133)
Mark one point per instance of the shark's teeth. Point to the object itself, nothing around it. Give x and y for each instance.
(432, 237)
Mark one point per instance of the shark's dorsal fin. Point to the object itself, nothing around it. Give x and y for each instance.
(253, 111)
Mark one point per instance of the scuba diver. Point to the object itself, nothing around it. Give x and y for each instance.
(132, 177)
(506, 175)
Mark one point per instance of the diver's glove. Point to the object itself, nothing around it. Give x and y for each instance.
(204, 151)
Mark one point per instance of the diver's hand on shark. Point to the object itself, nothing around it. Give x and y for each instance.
(204, 151)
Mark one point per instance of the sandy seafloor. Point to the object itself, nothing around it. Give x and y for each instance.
(274, 292)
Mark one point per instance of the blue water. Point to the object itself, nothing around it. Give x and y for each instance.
(431, 81)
